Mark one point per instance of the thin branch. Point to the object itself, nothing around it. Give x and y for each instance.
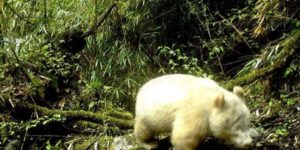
(17, 14)
(235, 29)
(99, 21)
(221, 65)
(289, 47)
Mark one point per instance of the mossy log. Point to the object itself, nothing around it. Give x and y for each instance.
(110, 130)
(90, 142)
(288, 49)
(81, 115)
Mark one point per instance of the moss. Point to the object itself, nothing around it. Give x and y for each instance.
(98, 118)
(119, 114)
(88, 143)
(289, 46)
(101, 128)
(105, 142)
(84, 144)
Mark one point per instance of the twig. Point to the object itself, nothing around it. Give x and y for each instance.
(48, 135)
(289, 46)
(21, 65)
(93, 29)
(221, 65)
(18, 15)
(24, 138)
(235, 29)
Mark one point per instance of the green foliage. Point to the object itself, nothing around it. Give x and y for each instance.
(270, 15)
(87, 142)
(91, 89)
(291, 102)
(137, 41)
(58, 145)
(43, 68)
(292, 71)
(45, 120)
(7, 129)
(12, 129)
(281, 132)
(33, 64)
(179, 61)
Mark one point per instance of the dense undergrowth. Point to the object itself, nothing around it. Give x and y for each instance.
(57, 55)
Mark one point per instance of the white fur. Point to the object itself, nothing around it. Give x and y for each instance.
(174, 103)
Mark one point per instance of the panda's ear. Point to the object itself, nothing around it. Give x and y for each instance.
(239, 91)
(219, 100)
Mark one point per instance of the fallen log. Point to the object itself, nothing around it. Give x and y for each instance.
(123, 121)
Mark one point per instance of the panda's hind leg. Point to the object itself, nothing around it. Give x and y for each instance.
(145, 136)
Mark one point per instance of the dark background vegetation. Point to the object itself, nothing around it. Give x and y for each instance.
(70, 70)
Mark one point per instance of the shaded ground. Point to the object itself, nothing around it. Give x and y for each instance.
(276, 120)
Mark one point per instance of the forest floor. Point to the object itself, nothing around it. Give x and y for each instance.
(277, 122)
